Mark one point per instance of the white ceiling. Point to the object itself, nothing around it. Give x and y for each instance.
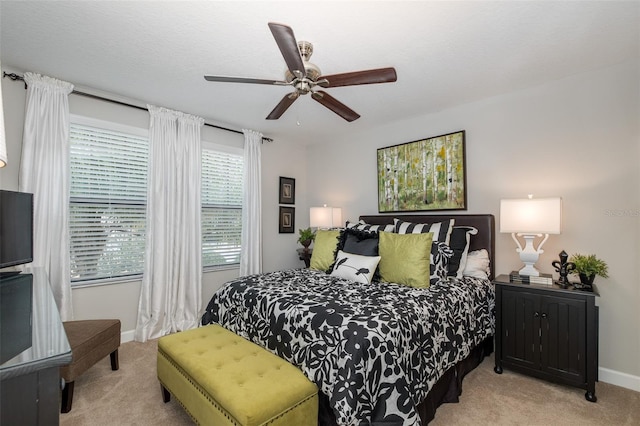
(445, 53)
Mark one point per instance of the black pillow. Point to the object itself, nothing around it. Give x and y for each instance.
(357, 236)
(367, 246)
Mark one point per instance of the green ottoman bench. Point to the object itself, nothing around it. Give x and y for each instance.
(221, 378)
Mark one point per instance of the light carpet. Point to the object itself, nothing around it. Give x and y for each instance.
(132, 396)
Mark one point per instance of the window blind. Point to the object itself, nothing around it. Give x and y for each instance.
(108, 195)
(221, 207)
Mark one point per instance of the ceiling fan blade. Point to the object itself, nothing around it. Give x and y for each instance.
(335, 105)
(222, 79)
(379, 75)
(282, 106)
(288, 47)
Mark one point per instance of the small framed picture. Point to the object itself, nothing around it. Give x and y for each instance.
(287, 190)
(287, 220)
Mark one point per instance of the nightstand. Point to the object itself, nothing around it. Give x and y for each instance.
(305, 254)
(547, 332)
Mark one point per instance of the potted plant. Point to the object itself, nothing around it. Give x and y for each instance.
(306, 237)
(587, 267)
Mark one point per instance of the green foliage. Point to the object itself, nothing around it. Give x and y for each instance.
(306, 235)
(589, 265)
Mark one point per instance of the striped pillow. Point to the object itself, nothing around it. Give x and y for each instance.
(441, 230)
(363, 226)
(441, 234)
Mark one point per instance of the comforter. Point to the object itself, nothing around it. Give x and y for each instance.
(374, 349)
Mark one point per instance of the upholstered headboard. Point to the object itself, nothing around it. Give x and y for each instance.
(484, 223)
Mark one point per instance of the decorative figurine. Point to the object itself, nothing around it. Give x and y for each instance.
(563, 268)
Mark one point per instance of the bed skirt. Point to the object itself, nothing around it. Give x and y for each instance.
(447, 389)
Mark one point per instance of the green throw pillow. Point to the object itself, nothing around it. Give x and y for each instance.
(405, 258)
(324, 249)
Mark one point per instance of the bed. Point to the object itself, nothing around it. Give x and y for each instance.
(380, 353)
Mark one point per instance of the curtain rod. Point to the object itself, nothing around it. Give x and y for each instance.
(16, 77)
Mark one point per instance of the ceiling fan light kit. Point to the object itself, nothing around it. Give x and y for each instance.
(305, 77)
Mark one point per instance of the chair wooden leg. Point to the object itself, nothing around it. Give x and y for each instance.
(114, 360)
(67, 397)
(166, 395)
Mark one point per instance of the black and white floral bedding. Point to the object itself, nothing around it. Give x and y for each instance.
(374, 349)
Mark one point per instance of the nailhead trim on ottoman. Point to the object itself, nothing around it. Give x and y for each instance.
(221, 378)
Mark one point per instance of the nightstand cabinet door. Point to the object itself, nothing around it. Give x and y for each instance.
(520, 329)
(562, 338)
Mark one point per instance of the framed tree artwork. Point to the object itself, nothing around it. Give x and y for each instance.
(287, 190)
(287, 219)
(427, 174)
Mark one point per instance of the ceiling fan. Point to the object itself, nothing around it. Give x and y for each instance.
(306, 77)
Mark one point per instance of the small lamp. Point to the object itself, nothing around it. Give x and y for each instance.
(325, 217)
(530, 218)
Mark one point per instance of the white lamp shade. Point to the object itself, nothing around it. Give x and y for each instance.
(3, 141)
(337, 217)
(325, 217)
(531, 216)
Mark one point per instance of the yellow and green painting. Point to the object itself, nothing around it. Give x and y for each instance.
(427, 174)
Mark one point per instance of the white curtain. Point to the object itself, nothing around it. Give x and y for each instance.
(170, 296)
(44, 171)
(251, 240)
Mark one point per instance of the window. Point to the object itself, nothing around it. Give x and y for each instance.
(107, 208)
(108, 194)
(221, 206)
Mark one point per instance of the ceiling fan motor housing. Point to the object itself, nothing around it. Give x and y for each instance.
(312, 71)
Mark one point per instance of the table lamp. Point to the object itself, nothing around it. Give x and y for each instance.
(530, 218)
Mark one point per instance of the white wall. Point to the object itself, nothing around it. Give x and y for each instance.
(287, 159)
(120, 300)
(577, 138)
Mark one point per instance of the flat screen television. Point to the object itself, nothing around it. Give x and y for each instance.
(16, 228)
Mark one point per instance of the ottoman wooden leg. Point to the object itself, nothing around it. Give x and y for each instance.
(114, 360)
(67, 397)
(166, 395)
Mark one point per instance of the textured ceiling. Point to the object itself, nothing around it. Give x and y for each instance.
(445, 53)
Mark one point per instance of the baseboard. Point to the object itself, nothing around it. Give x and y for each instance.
(619, 379)
(127, 336)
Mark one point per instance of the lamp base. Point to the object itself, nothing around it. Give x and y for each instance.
(528, 254)
(529, 270)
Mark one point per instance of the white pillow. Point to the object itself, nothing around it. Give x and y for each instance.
(355, 267)
(477, 264)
